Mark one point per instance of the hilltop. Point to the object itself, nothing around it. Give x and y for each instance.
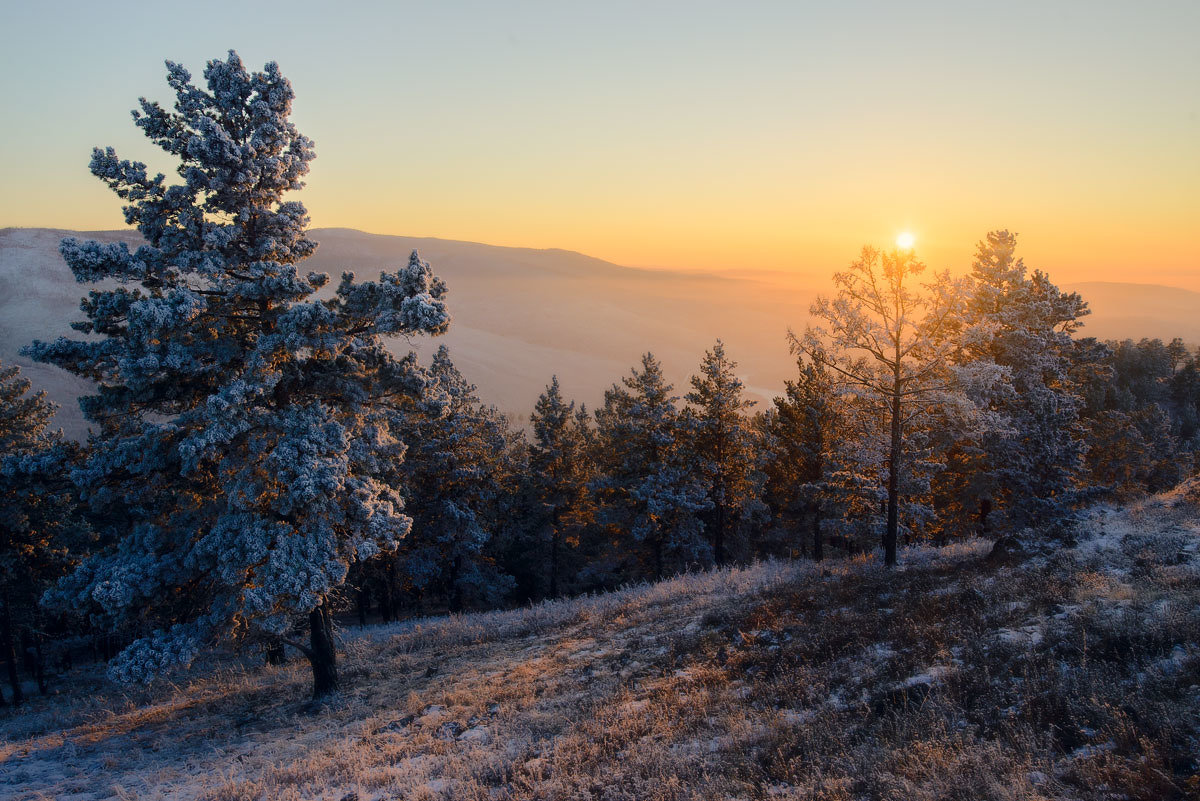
(1073, 674)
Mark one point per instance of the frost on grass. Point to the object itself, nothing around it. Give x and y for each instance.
(1069, 676)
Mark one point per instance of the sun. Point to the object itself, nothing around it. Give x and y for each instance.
(905, 240)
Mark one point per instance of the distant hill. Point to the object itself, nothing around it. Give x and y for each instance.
(522, 315)
(1134, 311)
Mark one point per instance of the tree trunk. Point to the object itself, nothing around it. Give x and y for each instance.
(456, 598)
(387, 598)
(10, 652)
(554, 540)
(364, 603)
(893, 499)
(28, 654)
(658, 558)
(985, 509)
(39, 670)
(322, 654)
(719, 534)
(275, 654)
(818, 547)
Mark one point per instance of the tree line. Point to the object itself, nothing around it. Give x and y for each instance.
(261, 461)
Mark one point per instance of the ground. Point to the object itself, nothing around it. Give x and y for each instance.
(1074, 674)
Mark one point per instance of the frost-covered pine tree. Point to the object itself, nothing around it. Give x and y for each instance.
(457, 477)
(801, 439)
(720, 444)
(41, 528)
(1014, 328)
(243, 454)
(559, 471)
(646, 490)
(1137, 428)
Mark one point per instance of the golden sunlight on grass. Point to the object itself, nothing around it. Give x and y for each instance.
(800, 681)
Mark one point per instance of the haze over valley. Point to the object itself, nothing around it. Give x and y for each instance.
(522, 315)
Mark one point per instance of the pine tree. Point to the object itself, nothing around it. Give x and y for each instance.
(1015, 330)
(41, 529)
(1185, 399)
(1133, 452)
(646, 490)
(559, 470)
(456, 476)
(244, 455)
(1135, 422)
(801, 445)
(720, 446)
(883, 341)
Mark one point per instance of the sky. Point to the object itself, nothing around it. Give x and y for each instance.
(705, 136)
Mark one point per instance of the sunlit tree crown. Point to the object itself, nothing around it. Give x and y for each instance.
(244, 446)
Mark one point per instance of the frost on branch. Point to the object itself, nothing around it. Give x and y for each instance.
(245, 451)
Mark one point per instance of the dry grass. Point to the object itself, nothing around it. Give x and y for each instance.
(1074, 676)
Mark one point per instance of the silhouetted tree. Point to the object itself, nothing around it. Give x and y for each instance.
(721, 446)
(559, 472)
(646, 490)
(456, 476)
(801, 437)
(41, 530)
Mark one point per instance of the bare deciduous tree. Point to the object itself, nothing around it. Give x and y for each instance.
(882, 336)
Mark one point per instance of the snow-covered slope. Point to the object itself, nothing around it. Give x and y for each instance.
(1071, 675)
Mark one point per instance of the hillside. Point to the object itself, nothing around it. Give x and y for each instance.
(521, 315)
(1070, 676)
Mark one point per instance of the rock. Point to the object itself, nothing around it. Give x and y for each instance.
(402, 723)
(432, 715)
(1007, 551)
(449, 730)
(900, 697)
(477, 734)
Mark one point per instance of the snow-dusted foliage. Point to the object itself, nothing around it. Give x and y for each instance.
(721, 446)
(1140, 404)
(802, 439)
(646, 489)
(457, 476)
(41, 529)
(560, 468)
(883, 338)
(1015, 360)
(243, 453)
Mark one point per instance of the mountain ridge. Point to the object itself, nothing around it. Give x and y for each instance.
(522, 315)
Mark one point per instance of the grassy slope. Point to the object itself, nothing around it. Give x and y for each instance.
(1073, 676)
